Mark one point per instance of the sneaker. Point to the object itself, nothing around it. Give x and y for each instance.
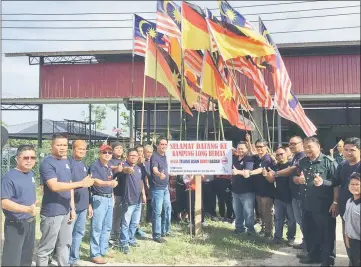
(125, 250)
(134, 245)
(140, 232)
(160, 240)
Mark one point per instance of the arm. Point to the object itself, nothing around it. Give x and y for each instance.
(157, 173)
(56, 186)
(101, 183)
(72, 201)
(10, 205)
(287, 172)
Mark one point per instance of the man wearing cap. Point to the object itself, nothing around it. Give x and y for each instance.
(116, 164)
(102, 203)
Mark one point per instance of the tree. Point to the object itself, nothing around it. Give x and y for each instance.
(99, 114)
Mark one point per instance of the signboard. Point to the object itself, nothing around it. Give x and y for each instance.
(200, 157)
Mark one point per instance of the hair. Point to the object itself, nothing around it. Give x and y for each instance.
(353, 141)
(263, 141)
(160, 139)
(131, 150)
(281, 147)
(296, 136)
(23, 148)
(58, 136)
(148, 147)
(139, 146)
(311, 139)
(74, 143)
(242, 143)
(355, 176)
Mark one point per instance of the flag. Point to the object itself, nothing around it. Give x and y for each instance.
(195, 33)
(284, 99)
(193, 60)
(226, 104)
(169, 18)
(142, 29)
(232, 43)
(231, 16)
(247, 68)
(167, 71)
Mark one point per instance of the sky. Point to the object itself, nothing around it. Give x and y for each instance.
(21, 80)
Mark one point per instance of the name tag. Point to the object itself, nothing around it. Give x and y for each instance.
(67, 166)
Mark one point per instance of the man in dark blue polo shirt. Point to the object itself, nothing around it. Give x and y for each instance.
(102, 202)
(148, 152)
(81, 198)
(18, 200)
(158, 183)
(263, 188)
(243, 191)
(58, 208)
(134, 194)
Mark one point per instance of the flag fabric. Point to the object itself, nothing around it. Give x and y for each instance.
(195, 33)
(231, 16)
(247, 68)
(232, 43)
(226, 104)
(169, 18)
(142, 29)
(193, 60)
(238, 97)
(160, 66)
(284, 99)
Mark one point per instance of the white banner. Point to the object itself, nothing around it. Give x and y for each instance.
(199, 157)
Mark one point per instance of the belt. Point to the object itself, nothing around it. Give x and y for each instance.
(103, 195)
(21, 221)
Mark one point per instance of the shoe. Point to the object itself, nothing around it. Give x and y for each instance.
(140, 232)
(168, 235)
(134, 245)
(160, 240)
(238, 232)
(75, 264)
(125, 250)
(302, 254)
(332, 263)
(277, 241)
(99, 260)
(308, 260)
(290, 242)
(299, 246)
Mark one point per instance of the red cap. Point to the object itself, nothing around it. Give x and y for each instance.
(105, 148)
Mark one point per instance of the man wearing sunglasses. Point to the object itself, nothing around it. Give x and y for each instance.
(18, 199)
(102, 203)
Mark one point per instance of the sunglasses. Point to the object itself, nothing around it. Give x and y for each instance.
(107, 152)
(29, 158)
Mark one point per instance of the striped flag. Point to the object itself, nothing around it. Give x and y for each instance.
(169, 18)
(231, 16)
(193, 59)
(285, 101)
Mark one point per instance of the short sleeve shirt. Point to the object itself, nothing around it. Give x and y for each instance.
(282, 185)
(55, 203)
(133, 185)
(100, 171)
(81, 195)
(352, 218)
(241, 185)
(262, 187)
(18, 187)
(119, 189)
(160, 162)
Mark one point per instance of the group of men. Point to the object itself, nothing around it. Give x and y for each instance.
(307, 187)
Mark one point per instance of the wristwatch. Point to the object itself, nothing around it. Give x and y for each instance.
(276, 174)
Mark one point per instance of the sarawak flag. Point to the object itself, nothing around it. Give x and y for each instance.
(233, 43)
(195, 33)
(160, 66)
(226, 104)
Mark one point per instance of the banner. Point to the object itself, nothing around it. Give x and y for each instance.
(199, 157)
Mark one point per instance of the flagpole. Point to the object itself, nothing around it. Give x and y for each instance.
(168, 122)
(155, 95)
(207, 119)
(181, 99)
(214, 125)
(143, 100)
(132, 92)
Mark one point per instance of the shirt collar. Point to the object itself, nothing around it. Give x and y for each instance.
(319, 159)
(356, 201)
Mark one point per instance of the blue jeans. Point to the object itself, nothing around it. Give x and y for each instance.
(101, 225)
(281, 209)
(130, 219)
(161, 221)
(77, 235)
(243, 206)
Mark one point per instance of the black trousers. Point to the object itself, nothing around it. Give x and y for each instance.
(224, 194)
(209, 198)
(181, 198)
(355, 252)
(19, 243)
(320, 235)
(148, 216)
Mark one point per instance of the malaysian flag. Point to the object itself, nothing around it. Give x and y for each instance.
(231, 16)
(285, 101)
(193, 59)
(142, 29)
(209, 14)
(169, 18)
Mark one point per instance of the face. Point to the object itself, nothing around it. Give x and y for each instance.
(105, 155)
(118, 151)
(79, 150)
(172, 180)
(133, 157)
(312, 149)
(148, 153)
(281, 155)
(140, 151)
(242, 150)
(261, 149)
(295, 145)
(351, 153)
(59, 147)
(163, 145)
(26, 160)
(340, 148)
(354, 187)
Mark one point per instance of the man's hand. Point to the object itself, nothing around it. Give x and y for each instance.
(264, 172)
(141, 160)
(120, 167)
(90, 212)
(114, 182)
(317, 181)
(334, 210)
(72, 216)
(246, 173)
(302, 179)
(162, 175)
(347, 241)
(87, 181)
(331, 152)
(144, 198)
(271, 173)
(129, 170)
(32, 209)
(234, 171)
(248, 137)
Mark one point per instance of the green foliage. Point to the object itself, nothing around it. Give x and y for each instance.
(99, 114)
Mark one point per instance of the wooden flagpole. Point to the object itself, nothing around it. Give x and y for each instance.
(143, 100)
(131, 133)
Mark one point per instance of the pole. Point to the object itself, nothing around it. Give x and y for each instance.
(40, 125)
(214, 125)
(90, 123)
(117, 120)
(148, 123)
(131, 134)
(142, 119)
(279, 129)
(168, 119)
(155, 95)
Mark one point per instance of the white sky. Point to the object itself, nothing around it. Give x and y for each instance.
(21, 80)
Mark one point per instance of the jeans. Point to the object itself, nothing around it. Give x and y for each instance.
(161, 222)
(130, 219)
(77, 235)
(19, 243)
(243, 205)
(101, 225)
(117, 216)
(281, 209)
